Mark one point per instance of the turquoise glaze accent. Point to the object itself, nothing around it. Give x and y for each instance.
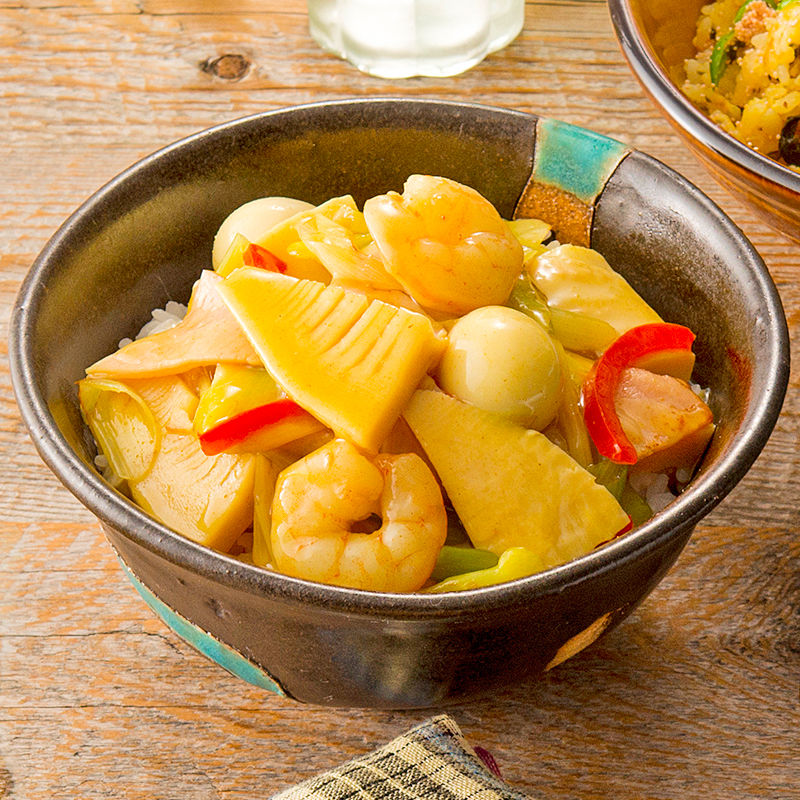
(228, 658)
(574, 159)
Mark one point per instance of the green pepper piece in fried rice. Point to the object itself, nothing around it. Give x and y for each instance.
(721, 54)
(720, 57)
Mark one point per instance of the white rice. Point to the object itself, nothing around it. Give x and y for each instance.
(162, 320)
(654, 488)
(106, 472)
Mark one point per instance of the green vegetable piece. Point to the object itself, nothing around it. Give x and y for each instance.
(457, 560)
(611, 475)
(263, 492)
(720, 57)
(783, 4)
(516, 562)
(235, 389)
(581, 333)
(526, 298)
(267, 469)
(635, 506)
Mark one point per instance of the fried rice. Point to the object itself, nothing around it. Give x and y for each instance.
(746, 72)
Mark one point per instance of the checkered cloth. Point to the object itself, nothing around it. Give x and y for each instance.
(433, 760)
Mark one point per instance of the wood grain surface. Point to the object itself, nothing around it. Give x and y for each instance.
(694, 696)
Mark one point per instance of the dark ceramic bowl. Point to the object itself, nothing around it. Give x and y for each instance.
(142, 240)
(656, 39)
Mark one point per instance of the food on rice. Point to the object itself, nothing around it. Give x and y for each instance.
(457, 401)
(746, 73)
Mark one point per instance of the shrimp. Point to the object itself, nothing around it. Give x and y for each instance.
(445, 244)
(322, 500)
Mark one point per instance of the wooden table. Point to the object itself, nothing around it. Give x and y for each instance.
(695, 696)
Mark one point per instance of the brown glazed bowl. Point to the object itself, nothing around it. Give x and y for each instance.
(656, 38)
(143, 238)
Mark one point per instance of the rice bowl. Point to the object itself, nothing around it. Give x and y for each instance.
(342, 647)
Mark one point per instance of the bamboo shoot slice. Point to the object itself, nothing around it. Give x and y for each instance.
(351, 362)
(207, 335)
(511, 486)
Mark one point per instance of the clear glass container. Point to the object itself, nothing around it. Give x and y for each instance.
(403, 38)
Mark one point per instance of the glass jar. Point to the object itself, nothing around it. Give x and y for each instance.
(403, 38)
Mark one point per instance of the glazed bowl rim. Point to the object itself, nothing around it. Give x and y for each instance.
(682, 112)
(119, 513)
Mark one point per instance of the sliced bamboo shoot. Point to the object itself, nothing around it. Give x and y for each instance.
(520, 489)
(207, 498)
(351, 362)
(207, 335)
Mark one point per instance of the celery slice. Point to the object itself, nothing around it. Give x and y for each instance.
(611, 475)
(581, 333)
(516, 562)
(526, 298)
(635, 506)
(455, 560)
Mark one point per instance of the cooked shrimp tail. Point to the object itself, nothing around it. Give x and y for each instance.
(324, 502)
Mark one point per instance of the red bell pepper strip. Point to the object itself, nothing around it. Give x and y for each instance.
(255, 255)
(621, 532)
(236, 429)
(601, 383)
(625, 529)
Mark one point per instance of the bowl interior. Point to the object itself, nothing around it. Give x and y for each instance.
(668, 27)
(115, 259)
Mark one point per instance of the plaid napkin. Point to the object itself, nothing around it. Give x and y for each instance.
(433, 760)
